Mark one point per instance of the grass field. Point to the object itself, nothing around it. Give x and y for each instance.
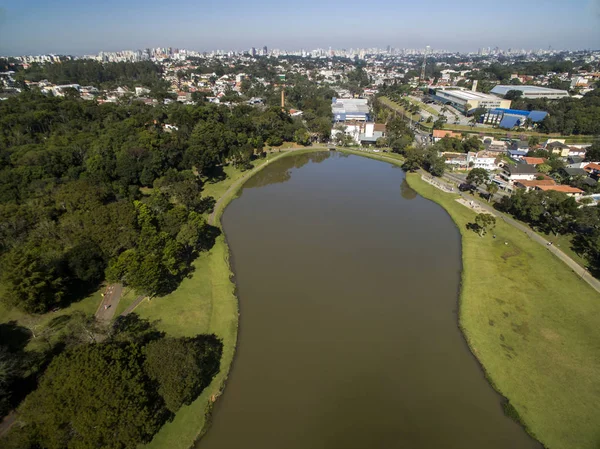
(396, 107)
(424, 106)
(533, 325)
(37, 323)
(204, 303)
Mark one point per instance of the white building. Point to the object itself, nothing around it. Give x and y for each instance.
(530, 91)
(482, 159)
(465, 100)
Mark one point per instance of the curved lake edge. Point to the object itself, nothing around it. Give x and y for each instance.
(411, 179)
(216, 390)
(217, 387)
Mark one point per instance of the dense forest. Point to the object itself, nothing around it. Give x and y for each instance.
(566, 115)
(93, 192)
(71, 209)
(101, 387)
(94, 73)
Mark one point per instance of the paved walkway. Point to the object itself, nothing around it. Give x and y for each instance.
(7, 422)
(133, 305)
(578, 269)
(110, 301)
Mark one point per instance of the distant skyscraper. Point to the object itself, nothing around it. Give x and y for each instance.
(265, 51)
(253, 51)
(388, 48)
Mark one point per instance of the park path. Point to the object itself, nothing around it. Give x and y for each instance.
(110, 301)
(578, 269)
(7, 422)
(133, 305)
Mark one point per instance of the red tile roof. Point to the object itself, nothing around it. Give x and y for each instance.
(592, 166)
(536, 182)
(534, 160)
(443, 133)
(561, 188)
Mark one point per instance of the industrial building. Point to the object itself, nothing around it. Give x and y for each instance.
(350, 109)
(465, 100)
(531, 91)
(509, 118)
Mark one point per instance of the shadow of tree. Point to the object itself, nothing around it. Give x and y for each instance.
(473, 227)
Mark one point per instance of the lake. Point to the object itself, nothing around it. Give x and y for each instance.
(348, 286)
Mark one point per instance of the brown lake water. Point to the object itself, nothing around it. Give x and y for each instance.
(348, 285)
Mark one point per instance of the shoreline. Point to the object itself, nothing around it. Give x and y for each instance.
(198, 415)
(511, 379)
(521, 312)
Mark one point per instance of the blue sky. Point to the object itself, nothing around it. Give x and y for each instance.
(88, 26)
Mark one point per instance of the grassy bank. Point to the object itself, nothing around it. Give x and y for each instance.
(204, 303)
(533, 325)
(398, 108)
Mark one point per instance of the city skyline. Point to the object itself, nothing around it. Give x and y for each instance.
(40, 28)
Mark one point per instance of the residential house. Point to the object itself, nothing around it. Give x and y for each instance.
(531, 185)
(483, 159)
(457, 160)
(576, 162)
(571, 173)
(518, 172)
(557, 147)
(533, 160)
(184, 97)
(570, 191)
(141, 91)
(517, 155)
(439, 134)
(593, 169)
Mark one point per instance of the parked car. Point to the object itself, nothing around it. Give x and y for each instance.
(466, 187)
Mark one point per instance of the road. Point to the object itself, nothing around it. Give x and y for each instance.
(578, 269)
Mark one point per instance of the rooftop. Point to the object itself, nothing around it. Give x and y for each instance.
(521, 169)
(534, 90)
(468, 95)
(533, 160)
(350, 105)
(536, 182)
(561, 188)
(441, 133)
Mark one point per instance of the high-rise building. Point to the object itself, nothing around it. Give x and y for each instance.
(265, 51)
(253, 51)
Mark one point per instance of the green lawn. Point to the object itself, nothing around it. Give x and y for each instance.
(564, 243)
(424, 106)
(396, 107)
(37, 323)
(534, 326)
(129, 295)
(217, 189)
(204, 303)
